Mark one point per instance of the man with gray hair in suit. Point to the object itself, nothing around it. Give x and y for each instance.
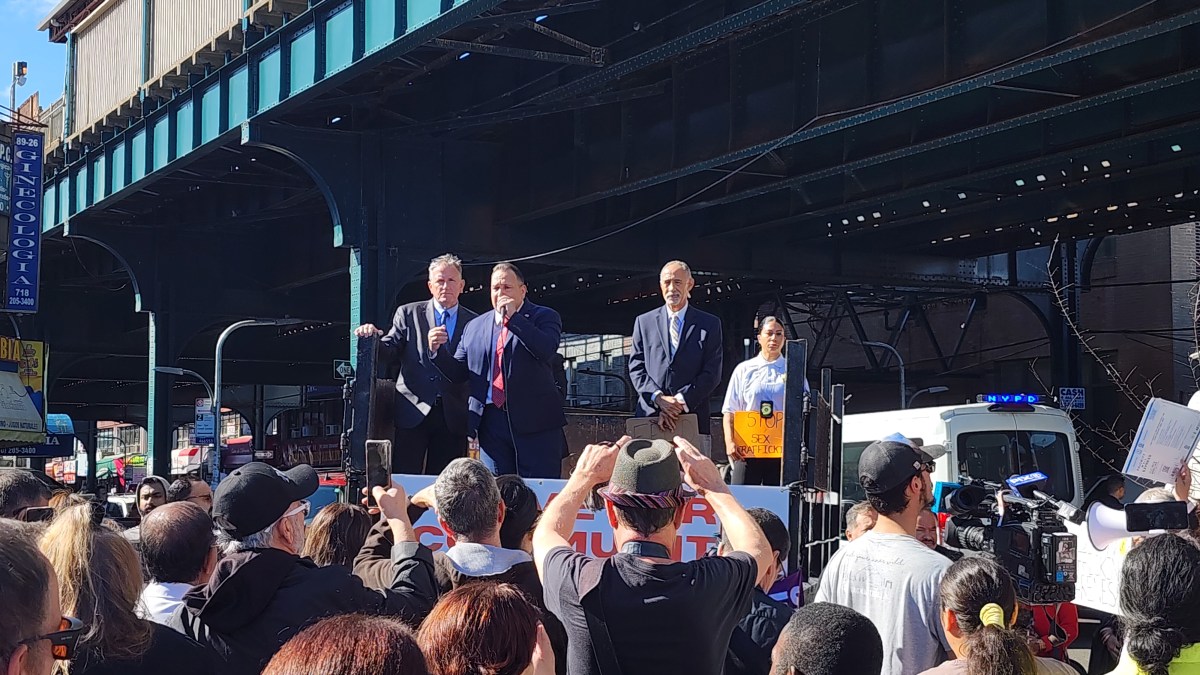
(431, 411)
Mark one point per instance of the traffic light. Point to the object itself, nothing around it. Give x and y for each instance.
(20, 70)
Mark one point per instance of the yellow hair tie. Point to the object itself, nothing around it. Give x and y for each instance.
(992, 615)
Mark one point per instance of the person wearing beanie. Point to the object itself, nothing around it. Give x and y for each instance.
(151, 493)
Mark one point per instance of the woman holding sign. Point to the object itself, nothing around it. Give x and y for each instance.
(756, 390)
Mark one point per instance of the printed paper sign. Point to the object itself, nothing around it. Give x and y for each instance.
(757, 436)
(1098, 583)
(1167, 435)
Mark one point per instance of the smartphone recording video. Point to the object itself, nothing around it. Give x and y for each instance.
(379, 467)
(1151, 517)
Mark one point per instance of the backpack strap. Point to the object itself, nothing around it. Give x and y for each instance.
(593, 610)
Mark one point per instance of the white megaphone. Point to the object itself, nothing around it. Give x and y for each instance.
(1105, 525)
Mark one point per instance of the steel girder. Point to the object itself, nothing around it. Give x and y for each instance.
(878, 111)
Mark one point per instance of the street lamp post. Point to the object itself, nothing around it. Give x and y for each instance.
(20, 70)
(180, 372)
(215, 458)
(926, 390)
(900, 361)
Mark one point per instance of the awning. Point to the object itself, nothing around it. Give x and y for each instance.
(59, 440)
(234, 461)
(22, 399)
(183, 459)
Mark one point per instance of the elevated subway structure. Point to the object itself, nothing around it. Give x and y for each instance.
(806, 157)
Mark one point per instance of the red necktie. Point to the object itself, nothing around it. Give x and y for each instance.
(498, 395)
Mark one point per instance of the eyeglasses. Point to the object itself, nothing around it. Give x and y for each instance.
(303, 508)
(63, 640)
(929, 466)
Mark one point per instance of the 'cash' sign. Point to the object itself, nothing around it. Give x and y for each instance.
(25, 228)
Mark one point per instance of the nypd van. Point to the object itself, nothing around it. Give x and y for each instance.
(1003, 436)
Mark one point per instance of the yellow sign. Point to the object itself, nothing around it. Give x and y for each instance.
(758, 437)
(22, 391)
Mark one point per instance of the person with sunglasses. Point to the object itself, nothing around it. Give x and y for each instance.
(31, 625)
(886, 574)
(191, 489)
(20, 492)
(100, 581)
(263, 592)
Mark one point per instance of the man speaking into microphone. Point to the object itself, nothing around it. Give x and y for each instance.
(506, 356)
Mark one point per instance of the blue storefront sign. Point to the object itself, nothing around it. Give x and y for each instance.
(60, 440)
(5, 177)
(25, 226)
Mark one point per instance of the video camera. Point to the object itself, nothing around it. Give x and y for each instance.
(1022, 527)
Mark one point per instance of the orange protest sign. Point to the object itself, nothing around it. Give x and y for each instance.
(757, 436)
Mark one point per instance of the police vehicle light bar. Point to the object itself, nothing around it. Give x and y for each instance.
(1008, 398)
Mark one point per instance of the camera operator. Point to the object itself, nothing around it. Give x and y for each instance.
(886, 574)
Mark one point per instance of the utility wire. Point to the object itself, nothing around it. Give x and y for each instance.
(784, 140)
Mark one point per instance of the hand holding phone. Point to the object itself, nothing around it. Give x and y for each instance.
(379, 467)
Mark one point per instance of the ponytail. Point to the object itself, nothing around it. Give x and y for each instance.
(980, 594)
(1160, 591)
(997, 650)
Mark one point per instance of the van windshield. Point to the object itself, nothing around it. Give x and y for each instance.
(990, 455)
(998, 455)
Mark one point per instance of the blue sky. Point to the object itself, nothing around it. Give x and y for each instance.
(21, 41)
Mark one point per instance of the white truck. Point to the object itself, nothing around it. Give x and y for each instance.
(992, 441)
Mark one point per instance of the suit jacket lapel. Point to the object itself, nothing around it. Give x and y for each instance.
(422, 339)
(664, 333)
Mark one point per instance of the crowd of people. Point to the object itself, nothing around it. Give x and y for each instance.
(248, 587)
(494, 381)
(236, 580)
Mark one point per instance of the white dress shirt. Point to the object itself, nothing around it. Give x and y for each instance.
(492, 366)
(682, 314)
(160, 601)
(446, 317)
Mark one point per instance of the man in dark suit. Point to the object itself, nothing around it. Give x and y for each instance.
(506, 356)
(431, 411)
(675, 364)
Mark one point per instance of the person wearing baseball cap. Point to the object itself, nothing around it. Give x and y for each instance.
(886, 574)
(262, 592)
(639, 611)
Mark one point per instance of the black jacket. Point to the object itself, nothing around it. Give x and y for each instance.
(523, 575)
(752, 641)
(419, 383)
(169, 652)
(258, 599)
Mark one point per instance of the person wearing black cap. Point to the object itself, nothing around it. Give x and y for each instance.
(887, 574)
(262, 592)
(640, 612)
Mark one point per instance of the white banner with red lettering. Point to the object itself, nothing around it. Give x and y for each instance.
(593, 535)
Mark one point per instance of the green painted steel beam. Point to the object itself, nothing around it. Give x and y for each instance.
(333, 42)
